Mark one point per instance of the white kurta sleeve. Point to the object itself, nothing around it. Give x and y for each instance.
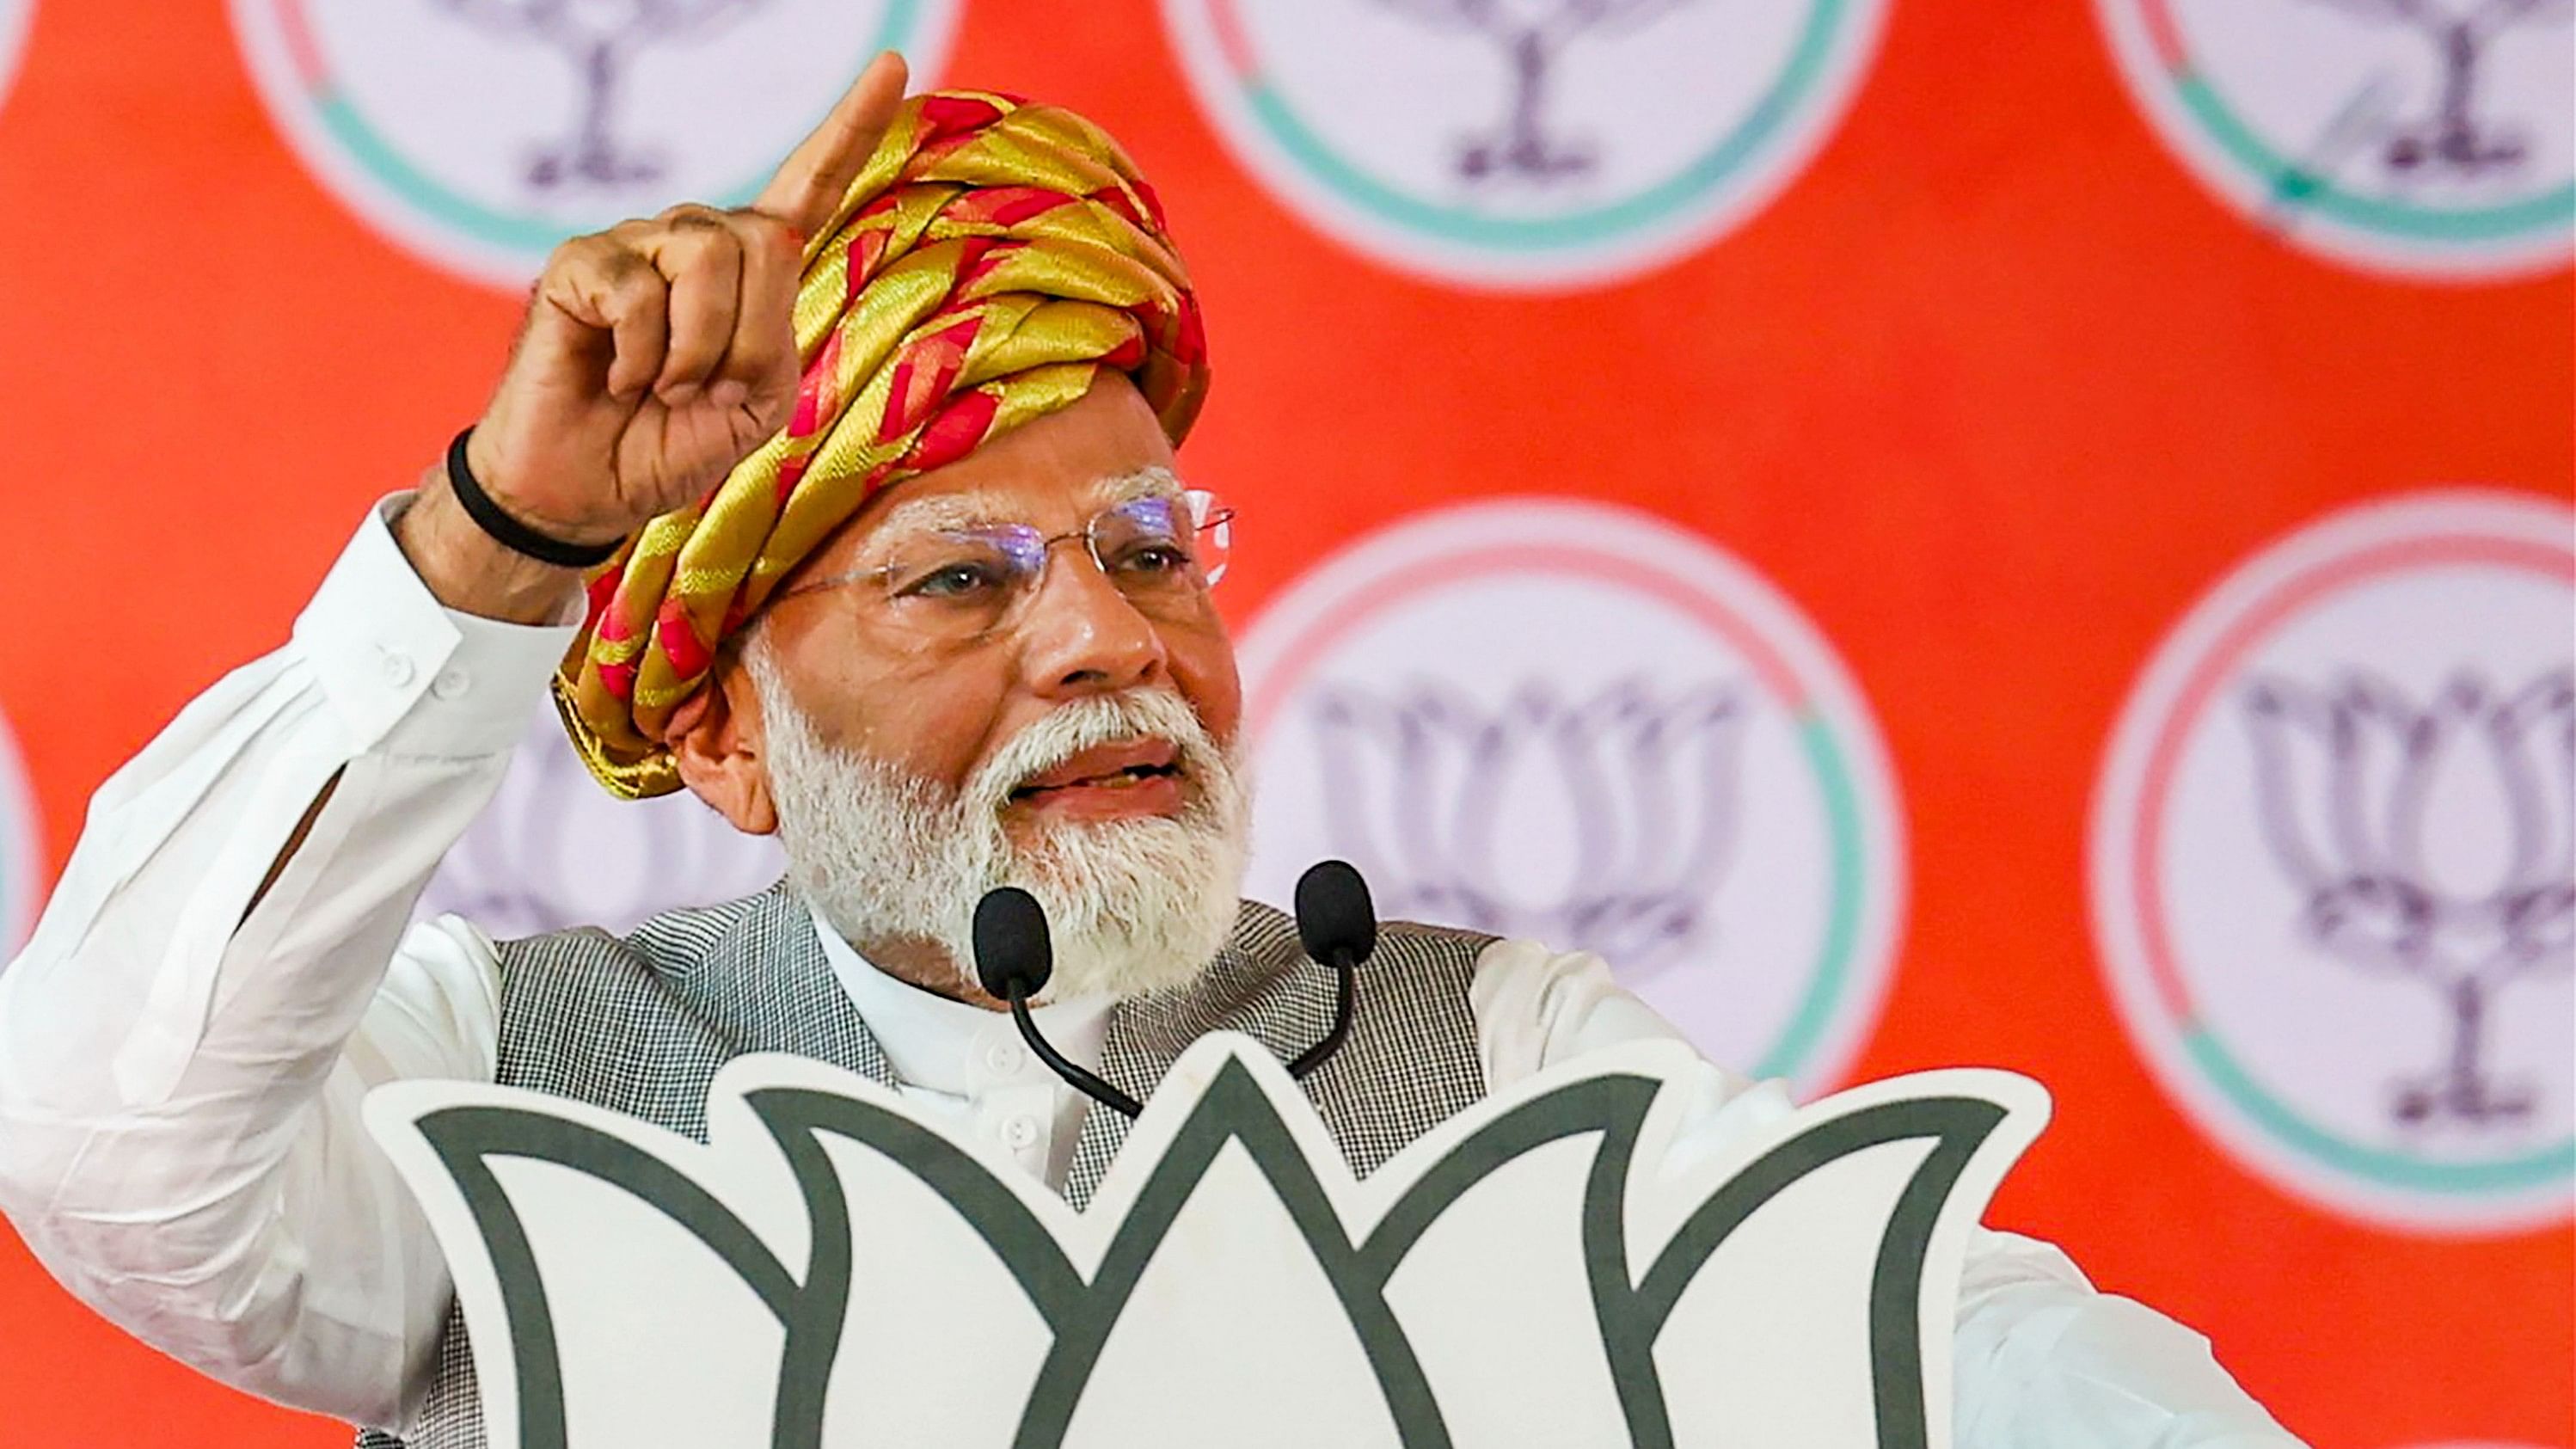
(2042, 1360)
(180, 1074)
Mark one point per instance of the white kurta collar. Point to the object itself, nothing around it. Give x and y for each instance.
(946, 1045)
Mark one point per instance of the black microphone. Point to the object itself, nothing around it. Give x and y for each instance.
(1013, 960)
(1337, 925)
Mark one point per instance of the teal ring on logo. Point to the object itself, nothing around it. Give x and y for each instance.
(2504, 1174)
(1842, 928)
(1815, 44)
(519, 232)
(2295, 186)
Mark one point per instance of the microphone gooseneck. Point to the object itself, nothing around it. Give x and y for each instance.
(1013, 961)
(1337, 924)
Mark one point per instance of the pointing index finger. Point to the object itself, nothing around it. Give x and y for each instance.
(808, 187)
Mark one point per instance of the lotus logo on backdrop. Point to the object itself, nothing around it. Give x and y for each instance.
(1528, 143)
(2350, 776)
(2433, 137)
(554, 851)
(2334, 861)
(1575, 723)
(479, 133)
(1650, 782)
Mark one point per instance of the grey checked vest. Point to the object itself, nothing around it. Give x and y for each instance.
(641, 1023)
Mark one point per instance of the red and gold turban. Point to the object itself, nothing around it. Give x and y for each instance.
(992, 257)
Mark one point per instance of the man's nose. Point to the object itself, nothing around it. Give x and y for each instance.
(1082, 636)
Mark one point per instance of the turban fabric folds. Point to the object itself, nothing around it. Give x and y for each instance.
(988, 262)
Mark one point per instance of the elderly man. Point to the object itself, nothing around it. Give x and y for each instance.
(894, 559)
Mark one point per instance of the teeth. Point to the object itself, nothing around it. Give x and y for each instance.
(1120, 779)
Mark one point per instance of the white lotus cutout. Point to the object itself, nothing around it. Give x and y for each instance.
(832, 1270)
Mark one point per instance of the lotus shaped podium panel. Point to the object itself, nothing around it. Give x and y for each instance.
(1592, 1257)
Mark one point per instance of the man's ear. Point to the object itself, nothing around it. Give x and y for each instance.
(715, 739)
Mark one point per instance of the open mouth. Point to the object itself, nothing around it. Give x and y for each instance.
(1127, 765)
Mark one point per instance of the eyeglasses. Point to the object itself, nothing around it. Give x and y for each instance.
(959, 585)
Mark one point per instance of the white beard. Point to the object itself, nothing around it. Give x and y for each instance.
(1133, 906)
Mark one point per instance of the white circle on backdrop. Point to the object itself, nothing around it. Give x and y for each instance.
(2435, 141)
(17, 17)
(554, 851)
(2331, 862)
(479, 133)
(21, 855)
(1532, 144)
(1574, 722)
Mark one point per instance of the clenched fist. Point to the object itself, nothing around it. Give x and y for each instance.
(655, 355)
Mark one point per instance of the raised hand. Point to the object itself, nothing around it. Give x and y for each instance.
(655, 355)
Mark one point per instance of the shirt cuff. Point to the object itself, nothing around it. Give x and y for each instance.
(407, 675)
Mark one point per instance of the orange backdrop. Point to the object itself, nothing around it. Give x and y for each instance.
(1994, 390)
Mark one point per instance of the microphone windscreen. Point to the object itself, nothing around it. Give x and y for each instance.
(1335, 921)
(1011, 943)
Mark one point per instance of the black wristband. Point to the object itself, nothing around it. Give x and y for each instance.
(509, 532)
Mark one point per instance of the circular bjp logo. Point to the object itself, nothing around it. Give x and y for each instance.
(480, 133)
(2431, 137)
(2332, 869)
(1532, 143)
(554, 851)
(1576, 723)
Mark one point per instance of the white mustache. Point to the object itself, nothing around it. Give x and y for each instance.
(1088, 723)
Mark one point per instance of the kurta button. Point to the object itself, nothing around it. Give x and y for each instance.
(396, 668)
(1020, 1132)
(449, 683)
(1005, 1058)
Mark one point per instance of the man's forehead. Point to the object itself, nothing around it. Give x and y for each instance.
(991, 504)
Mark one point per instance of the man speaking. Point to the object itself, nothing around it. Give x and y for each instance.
(887, 552)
